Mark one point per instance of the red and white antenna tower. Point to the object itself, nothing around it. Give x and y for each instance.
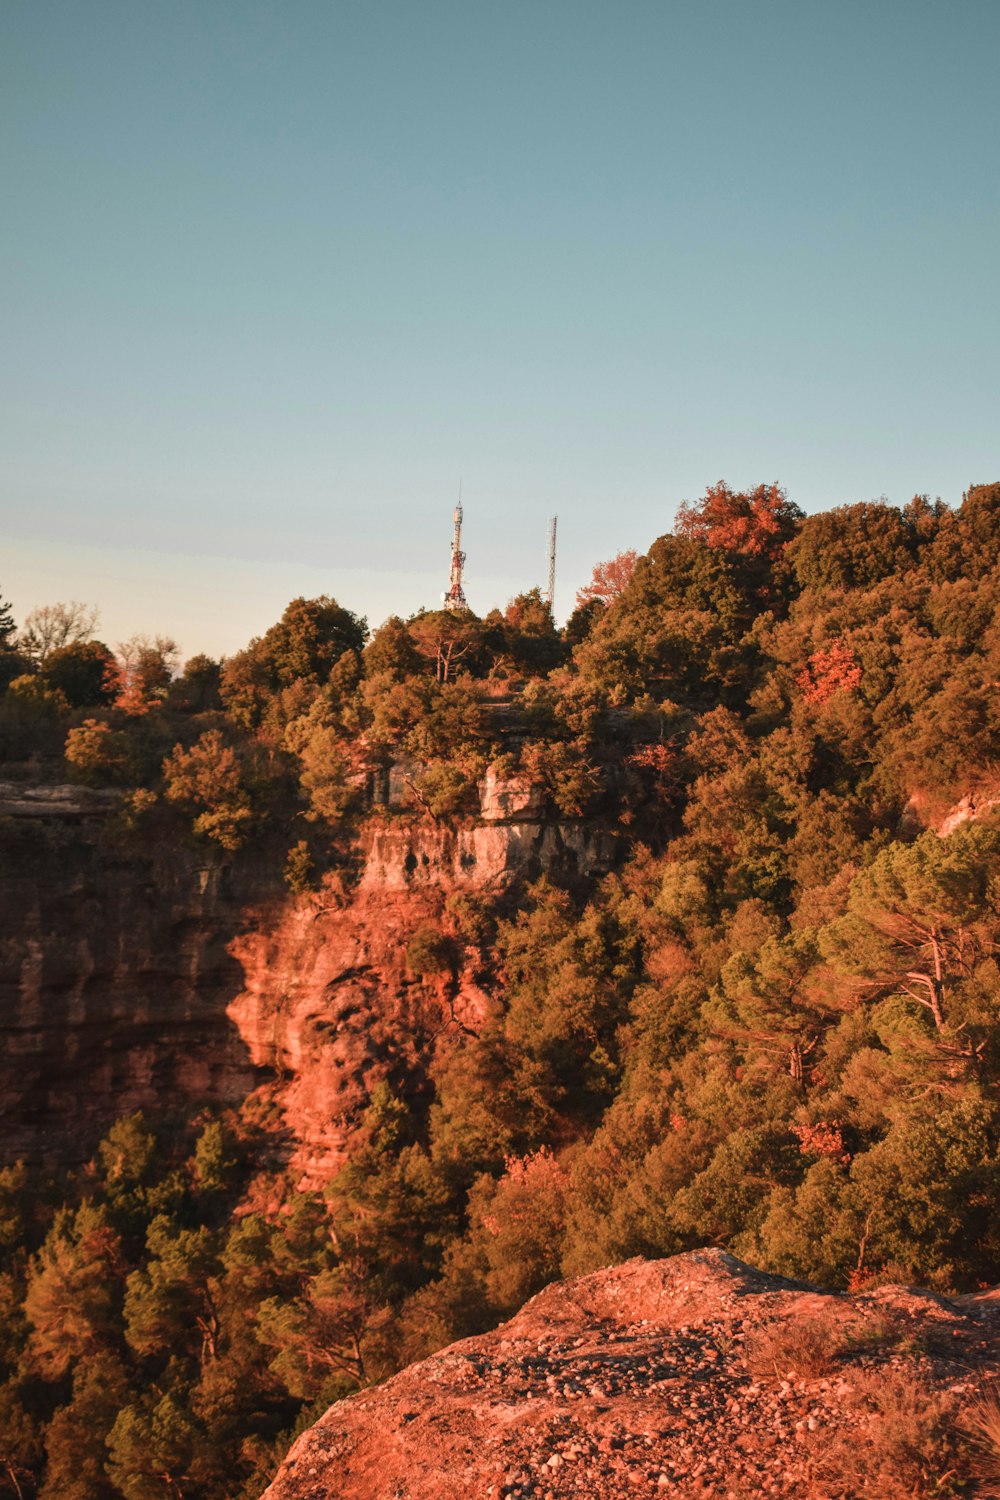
(455, 597)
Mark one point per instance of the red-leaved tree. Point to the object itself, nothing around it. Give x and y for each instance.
(831, 669)
(755, 522)
(609, 578)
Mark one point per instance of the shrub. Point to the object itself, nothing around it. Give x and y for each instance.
(299, 869)
(982, 1424)
(98, 753)
(907, 1447)
(428, 951)
(802, 1349)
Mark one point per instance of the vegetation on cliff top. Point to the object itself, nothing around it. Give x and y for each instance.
(773, 1027)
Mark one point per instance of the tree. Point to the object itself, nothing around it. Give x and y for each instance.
(832, 669)
(20, 1442)
(968, 539)
(391, 650)
(919, 921)
(72, 1297)
(445, 637)
(196, 690)
(172, 1302)
(51, 627)
(75, 1439)
(14, 1202)
(293, 660)
(82, 671)
(151, 1446)
(8, 630)
(143, 672)
(311, 636)
(928, 1191)
(388, 1204)
(97, 752)
(12, 666)
(490, 1103)
(215, 1163)
(567, 985)
(320, 1333)
(609, 579)
(333, 766)
(519, 1224)
(129, 1165)
(675, 627)
(757, 523)
(127, 1153)
(853, 546)
(529, 634)
(582, 621)
(32, 689)
(429, 951)
(767, 1000)
(731, 1194)
(207, 780)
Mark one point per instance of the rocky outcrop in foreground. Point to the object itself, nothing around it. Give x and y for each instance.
(690, 1377)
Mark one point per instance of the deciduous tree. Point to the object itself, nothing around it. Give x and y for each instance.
(758, 522)
(51, 627)
(609, 579)
(207, 779)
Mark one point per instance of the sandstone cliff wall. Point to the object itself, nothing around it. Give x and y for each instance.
(156, 977)
(329, 1004)
(114, 973)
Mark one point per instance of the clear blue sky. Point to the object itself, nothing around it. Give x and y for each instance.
(274, 277)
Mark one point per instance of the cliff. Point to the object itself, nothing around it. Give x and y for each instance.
(329, 1005)
(138, 973)
(692, 1377)
(114, 976)
(144, 974)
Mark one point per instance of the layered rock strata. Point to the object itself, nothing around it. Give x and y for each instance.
(114, 978)
(157, 978)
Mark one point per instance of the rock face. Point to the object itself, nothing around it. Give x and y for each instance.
(690, 1377)
(975, 805)
(329, 1007)
(132, 981)
(403, 855)
(155, 978)
(510, 799)
(55, 801)
(114, 977)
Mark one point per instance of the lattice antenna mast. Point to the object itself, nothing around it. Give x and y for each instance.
(551, 591)
(455, 597)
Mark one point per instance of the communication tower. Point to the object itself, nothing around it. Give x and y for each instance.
(455, 597)
(551, 591)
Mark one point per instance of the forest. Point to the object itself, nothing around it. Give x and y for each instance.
(773, 1026)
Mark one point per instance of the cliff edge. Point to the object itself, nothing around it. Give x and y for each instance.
(690, 1377)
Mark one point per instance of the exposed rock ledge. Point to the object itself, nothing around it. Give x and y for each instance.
(56, 800)
(690, 1377)
(407, 855)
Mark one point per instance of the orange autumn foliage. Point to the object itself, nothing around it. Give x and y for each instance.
(609, 579)
(832, 669)
(756, 522)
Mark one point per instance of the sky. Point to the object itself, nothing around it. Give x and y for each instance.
(275, 280)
